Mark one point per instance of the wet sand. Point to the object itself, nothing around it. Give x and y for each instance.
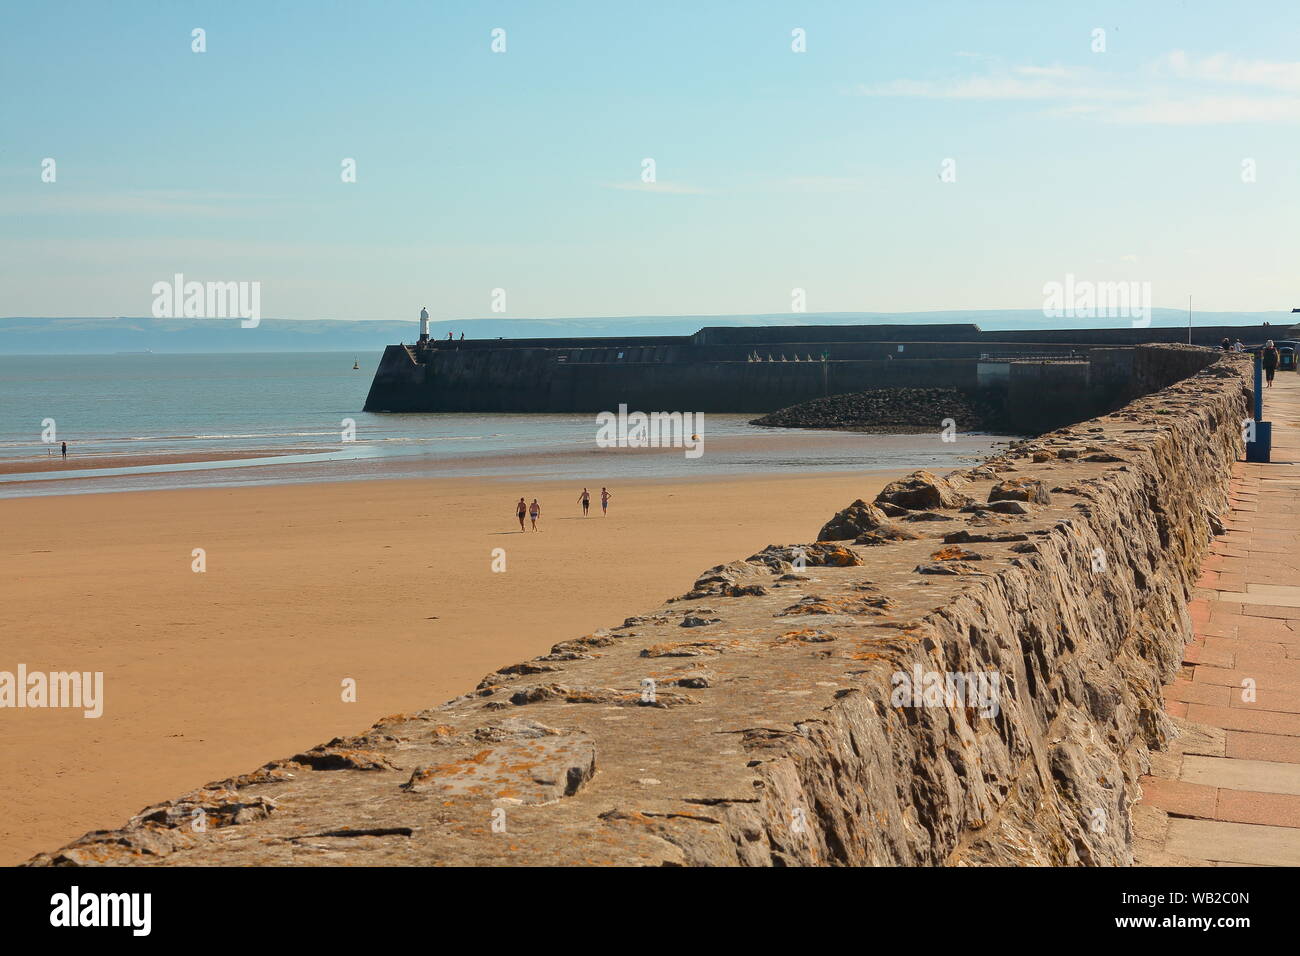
(47, 464)
(388, 582)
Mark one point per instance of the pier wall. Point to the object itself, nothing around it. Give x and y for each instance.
(758, 720)
(532, 380)
(711, 371)
(1045, 395)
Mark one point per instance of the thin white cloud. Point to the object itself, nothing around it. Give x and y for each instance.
(825, 184)
(675, 189)
(1023, 83)
(1177, 89)
(49, 199)
(1041, 71)
(1221, 68)
(1207, 110)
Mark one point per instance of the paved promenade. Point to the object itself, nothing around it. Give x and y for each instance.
(1230, 786)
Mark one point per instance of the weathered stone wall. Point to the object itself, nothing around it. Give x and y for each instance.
(1045, 395)
(755, 720)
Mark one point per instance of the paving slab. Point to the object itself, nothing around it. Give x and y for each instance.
(1268, 809)
(1247, 746)
(1261, 776)
(1247, 843)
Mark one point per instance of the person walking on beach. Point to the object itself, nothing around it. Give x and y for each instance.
(534, 512)
(604, 502)
(585, 498)
(1270, 356)
(521, 509)
(65, 444)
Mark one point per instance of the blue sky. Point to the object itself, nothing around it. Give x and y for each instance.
(522, 170)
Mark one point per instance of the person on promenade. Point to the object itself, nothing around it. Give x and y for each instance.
(534, 512)
(604, 501)
(585, 498)
(1270, 356)
(1238, 346)
(1225, 345)
(521, 509)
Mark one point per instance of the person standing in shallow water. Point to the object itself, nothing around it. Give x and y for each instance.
(604, 502)
(521, 509)
(65, 449)
(585, 499)
(534, 512)
(1270, 357)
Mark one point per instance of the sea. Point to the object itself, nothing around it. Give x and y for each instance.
(300, 415)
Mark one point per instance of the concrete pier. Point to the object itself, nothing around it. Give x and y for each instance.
(753, 369)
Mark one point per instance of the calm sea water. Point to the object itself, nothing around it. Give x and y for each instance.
(132, 404)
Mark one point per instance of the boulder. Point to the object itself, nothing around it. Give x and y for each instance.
(922, 491)
(1021, 489)
(854, 520)
(780, 559)
(886, 533)
(947, 567)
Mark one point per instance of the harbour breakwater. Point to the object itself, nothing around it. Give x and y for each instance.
(966, 670)
(1016, 395)
(757, 370)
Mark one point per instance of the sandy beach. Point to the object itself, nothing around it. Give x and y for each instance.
(389, 583)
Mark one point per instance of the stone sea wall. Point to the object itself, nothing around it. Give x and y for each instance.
(785, 710)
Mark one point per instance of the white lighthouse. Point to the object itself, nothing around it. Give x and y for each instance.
(424, 324)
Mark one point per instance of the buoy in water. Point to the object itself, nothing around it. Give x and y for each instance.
(355, 364)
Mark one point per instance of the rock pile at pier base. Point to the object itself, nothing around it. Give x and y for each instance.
(900, 410)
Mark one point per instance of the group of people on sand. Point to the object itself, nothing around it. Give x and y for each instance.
(534, 511)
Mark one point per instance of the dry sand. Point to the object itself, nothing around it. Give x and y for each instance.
(386, 582)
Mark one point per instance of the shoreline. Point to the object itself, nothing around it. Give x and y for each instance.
(387, 583)
(730, 455)
(99, 461)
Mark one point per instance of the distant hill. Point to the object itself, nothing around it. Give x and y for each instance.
(34, 336)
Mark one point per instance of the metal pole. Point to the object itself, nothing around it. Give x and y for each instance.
(1259, 386)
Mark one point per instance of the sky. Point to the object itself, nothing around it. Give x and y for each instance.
(913, 156)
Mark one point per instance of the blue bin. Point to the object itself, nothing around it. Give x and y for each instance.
(1261, 448)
